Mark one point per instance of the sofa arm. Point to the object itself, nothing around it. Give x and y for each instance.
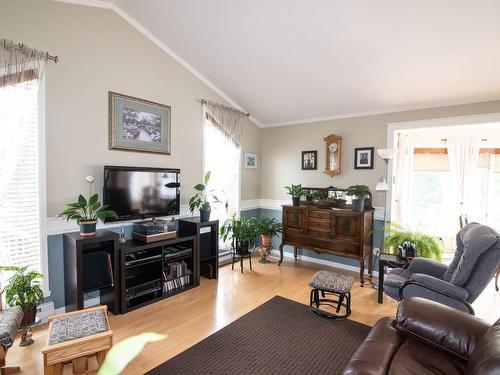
(427, 266)
(441, 326)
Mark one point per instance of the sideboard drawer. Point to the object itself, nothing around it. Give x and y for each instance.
(319, 214)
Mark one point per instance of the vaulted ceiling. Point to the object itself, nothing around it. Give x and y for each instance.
(288, 61)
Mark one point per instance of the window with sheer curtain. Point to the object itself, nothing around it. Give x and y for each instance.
(222, 158)
(19, 181)
(433, 196)
(22, 238)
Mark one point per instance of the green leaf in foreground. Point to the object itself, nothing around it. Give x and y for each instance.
(122, 353)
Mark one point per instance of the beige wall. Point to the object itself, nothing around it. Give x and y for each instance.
(282, 146)
(100, 52)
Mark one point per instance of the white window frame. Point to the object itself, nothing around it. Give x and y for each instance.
(394, 127)
(42, 177)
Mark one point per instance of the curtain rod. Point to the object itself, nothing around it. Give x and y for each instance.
(204, 101)
(482, 140)
(27, 50)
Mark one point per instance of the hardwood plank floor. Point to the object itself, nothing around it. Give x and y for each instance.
(189, 317)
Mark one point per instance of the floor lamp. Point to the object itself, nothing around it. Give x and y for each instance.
(387, 154)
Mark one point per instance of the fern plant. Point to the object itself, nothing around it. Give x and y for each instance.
(427, 246)
(24, 288)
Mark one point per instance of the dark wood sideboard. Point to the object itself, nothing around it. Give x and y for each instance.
(338, 231)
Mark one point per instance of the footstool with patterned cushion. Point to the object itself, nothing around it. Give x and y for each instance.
(331, 284)
(75, 336)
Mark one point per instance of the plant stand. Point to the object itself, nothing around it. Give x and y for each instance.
(26, 335)
(264, 252)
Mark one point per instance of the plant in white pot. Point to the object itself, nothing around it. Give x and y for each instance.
(86, 212)
(358, 193)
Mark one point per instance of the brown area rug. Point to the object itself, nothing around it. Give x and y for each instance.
(278, 337)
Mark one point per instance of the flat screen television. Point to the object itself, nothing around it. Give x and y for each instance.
(140, 193)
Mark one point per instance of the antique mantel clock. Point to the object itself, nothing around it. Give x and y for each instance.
(333, 154)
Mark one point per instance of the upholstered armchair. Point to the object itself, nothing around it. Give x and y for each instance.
(458, 284)
(10, 322)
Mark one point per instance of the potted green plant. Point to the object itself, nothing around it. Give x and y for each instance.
(427, 246)
(201, 200)
(268, 228)
(309, 194)
(242, 232)
(358, 193)
(86, 212)
(296, 192)
(25, 290)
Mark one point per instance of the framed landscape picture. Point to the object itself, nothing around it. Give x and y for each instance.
(250, 160)
(363, 158)
(309, 160)
(138, 125)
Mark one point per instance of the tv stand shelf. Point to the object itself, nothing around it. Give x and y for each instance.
(145, 266)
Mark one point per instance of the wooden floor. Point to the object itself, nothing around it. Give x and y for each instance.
(190, 317)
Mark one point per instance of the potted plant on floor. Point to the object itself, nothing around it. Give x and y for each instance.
(358, 193)
(426, 246)
(201, 199)
(242, 232)
(268, 228)
(86, 212)
(296, 192)
(24, 289)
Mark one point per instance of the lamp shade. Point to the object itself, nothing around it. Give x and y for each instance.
(387, 153)
(382, 185)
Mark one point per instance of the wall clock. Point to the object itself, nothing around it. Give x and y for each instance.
(333, 145)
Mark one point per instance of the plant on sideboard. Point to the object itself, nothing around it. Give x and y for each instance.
(242, 232)
(24, 289)
(296, 191)
(201, 200)
(427, 246)
(358, 193)
(86, 212)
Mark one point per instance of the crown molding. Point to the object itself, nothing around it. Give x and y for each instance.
(434, 105)
(139, 27)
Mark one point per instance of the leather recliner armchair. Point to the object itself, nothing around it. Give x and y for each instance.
(427, 337)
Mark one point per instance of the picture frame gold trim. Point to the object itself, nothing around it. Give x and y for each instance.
(112, 125)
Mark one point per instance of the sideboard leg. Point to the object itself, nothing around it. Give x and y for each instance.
(281, 255)
(295, 253)
(362, 271)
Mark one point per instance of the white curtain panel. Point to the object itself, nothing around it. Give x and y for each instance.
(463, 156)
(227, 119)
(18, 71)
(403, 167)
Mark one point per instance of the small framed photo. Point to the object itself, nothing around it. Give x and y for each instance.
(309, 160)
(363, 158)
(250, 160)
(138, 125)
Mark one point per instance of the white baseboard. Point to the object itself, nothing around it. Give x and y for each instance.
(324, 262)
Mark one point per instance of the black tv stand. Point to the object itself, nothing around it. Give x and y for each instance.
(141, 273)
(154, 271)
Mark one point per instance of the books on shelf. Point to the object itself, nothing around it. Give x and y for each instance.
(177, 276)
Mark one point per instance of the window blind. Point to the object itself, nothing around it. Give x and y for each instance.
(19, 177)
(222, 158)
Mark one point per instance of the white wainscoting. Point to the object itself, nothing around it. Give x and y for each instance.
(329, 263)
(59, 225)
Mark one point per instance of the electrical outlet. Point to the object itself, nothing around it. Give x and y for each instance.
(376, 251)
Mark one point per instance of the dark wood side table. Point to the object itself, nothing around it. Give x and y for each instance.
(389, 261)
